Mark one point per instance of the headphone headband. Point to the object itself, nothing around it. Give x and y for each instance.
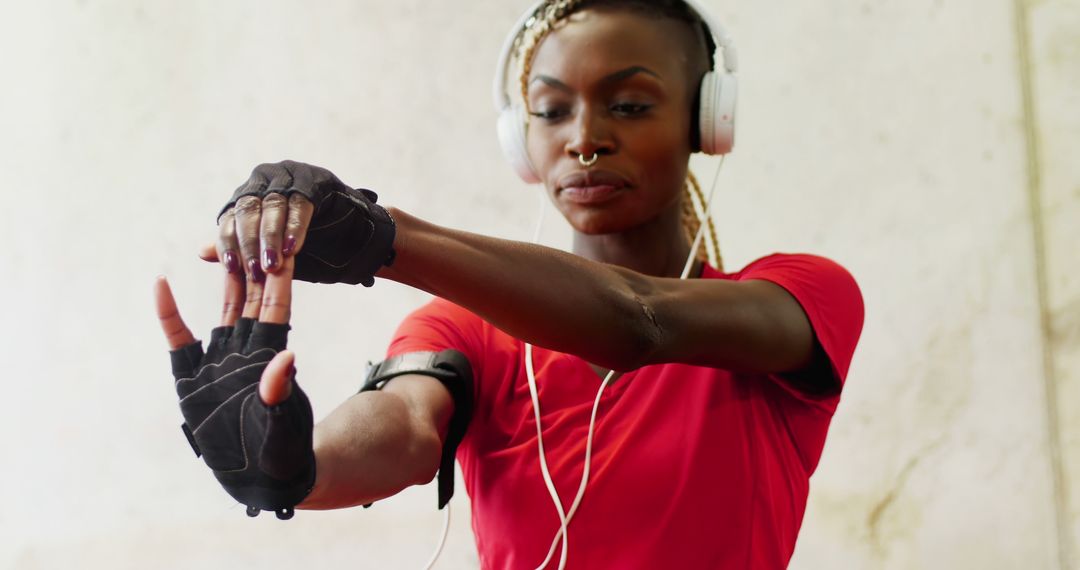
(501, 97)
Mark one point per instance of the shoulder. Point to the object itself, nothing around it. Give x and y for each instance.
(803, 273)
(794, 264)
(438, 325)
(827, 292)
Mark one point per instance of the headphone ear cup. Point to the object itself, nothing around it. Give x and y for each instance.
(716, 117)
(511, 130)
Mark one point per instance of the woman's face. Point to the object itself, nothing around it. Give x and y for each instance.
(616, 84)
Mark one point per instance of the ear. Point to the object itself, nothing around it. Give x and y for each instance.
(511, 130)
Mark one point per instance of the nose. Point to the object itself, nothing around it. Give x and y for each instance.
(591, 136)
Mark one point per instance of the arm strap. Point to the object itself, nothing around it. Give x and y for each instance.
(452, 369)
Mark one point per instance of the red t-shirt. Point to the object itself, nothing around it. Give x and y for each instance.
(692, 467)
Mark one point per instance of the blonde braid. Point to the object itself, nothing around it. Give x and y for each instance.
(693, 190)
(536, 29)
(690, 220)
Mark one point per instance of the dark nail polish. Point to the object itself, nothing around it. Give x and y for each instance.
(232, 265)
(290, 245)
(255, 271)
(270, 259)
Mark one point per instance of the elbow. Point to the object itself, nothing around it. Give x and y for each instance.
(424, 454)
(641, 336)
(649, 337)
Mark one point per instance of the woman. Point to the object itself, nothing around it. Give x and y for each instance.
(719, 388)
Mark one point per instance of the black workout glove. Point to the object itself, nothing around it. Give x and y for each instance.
(260, 454)
(350, 236)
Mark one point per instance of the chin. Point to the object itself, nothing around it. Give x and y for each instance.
(596, 221)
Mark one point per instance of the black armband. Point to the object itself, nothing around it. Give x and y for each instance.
(452, 369)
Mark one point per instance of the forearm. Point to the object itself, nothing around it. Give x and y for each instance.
(369, 448)
(539, 294)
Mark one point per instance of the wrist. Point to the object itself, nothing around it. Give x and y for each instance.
(404, 226)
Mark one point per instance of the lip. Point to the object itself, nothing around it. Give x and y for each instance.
(585, 178)
(591, 186)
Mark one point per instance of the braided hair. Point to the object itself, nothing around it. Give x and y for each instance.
(551, 12)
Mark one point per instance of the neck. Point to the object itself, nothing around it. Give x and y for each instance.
(657, 247)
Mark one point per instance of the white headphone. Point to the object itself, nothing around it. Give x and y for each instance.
(716, 114)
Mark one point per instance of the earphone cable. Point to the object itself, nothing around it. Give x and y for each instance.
(566, 517)
(704, 220)
(442, 539)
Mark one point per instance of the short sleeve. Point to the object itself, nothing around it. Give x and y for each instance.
(440, 325)
(829, 296)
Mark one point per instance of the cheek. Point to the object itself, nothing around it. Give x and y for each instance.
(542, 148)
(661, 155)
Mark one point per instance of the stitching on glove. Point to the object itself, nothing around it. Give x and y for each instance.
(222, 405)
(325, 262)
(219, 364)
(334, 223)
(234, 372)
(243, 439)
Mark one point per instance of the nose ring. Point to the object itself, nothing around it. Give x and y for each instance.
(587, 162)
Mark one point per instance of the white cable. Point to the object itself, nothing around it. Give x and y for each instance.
(543, 459)
(566, 517)
(540, 219)
(704, 221)
(442, 540)
(584, 477)
(536, 404)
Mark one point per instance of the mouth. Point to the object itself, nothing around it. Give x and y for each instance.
(591, 187)
(590, 195)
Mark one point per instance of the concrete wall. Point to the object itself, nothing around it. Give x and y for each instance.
(926, 145)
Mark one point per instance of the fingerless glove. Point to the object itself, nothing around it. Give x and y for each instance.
(262, 455)
(350, 236)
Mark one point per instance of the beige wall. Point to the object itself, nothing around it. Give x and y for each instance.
(1053, 73)
(926, 145)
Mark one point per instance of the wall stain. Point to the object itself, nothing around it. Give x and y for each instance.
(884, 505)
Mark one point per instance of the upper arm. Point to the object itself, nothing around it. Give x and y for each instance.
(750, 326)
(428, 401)
(795, 315)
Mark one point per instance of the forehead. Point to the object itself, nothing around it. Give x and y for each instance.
(595, 42)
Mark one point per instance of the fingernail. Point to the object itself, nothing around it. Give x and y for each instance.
(290, 245)
(270, 259)
(232, 265)
(255, 272)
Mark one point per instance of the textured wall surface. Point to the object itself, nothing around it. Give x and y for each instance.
(928, 146)
(1053, 29)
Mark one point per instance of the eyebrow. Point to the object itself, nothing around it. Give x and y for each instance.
(615, 77)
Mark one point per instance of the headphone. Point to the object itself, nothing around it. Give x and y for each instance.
(716, 111)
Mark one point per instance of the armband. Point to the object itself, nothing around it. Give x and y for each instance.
(452, 369)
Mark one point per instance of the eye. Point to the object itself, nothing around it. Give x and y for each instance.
(630, 109)
(549, 115)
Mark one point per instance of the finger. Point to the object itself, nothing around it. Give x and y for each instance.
(253, 291)
(248, 211)
(271, 229)
(276, 382)
(228, 247)
(234, 299)
(296, 226)
(176, 332)
(276, 302)
(208, 252)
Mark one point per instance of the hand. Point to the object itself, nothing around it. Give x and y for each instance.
(243, 411)
(338, 234)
